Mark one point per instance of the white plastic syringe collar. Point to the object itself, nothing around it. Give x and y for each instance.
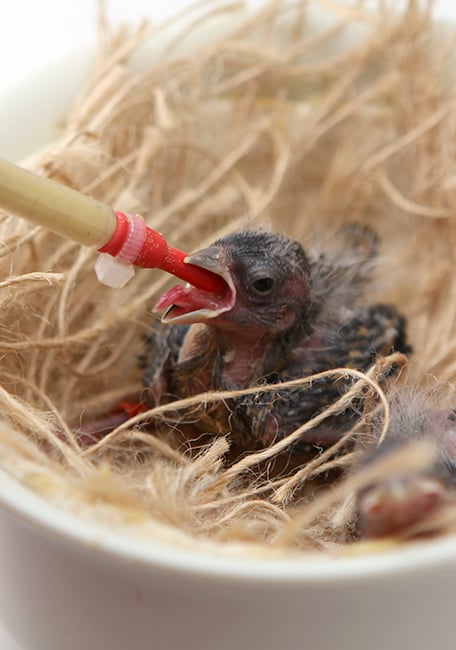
(116, 271)
(113, 273)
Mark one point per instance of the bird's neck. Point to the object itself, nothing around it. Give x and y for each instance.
(245, 358)
(213, 360)
(243, 363)
(223, 360)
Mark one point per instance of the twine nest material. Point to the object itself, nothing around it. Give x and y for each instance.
(286, 118)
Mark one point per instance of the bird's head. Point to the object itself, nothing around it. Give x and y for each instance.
(267, 286)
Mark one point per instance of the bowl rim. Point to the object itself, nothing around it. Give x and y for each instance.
(73, 530)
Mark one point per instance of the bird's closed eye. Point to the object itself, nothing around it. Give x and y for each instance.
(263, 285)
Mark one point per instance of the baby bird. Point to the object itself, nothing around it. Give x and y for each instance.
(282, 315)
(405, 493)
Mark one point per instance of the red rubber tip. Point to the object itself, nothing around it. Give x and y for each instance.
(156, 254)
(171, 260)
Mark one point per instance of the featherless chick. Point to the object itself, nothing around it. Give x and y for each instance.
(403, 496)
(283, 315)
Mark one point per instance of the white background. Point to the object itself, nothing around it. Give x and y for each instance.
(36, 32)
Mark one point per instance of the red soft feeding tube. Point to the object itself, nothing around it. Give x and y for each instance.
(135, 243)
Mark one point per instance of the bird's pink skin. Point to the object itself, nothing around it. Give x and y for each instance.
(398, 502)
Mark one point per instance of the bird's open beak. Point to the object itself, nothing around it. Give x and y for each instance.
(185, 303)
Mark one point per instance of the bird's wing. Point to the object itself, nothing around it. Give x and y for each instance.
(340, 274)
(160, 357)
(370, 332)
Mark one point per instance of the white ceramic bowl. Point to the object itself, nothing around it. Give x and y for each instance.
(69, 584)
(65, 583)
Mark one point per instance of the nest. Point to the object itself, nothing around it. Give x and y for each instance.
(298, 118)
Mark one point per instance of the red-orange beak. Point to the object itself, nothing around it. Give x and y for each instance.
(186, 304)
